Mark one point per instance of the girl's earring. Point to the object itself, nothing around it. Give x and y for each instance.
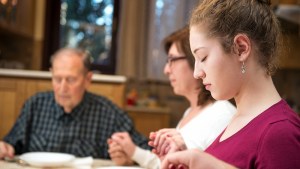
(243, 68)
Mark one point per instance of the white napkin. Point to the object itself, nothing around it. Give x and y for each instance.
(81, 163)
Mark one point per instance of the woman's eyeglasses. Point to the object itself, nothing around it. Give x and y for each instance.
(172, 59)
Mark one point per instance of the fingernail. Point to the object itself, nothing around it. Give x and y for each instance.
(180, 166)
(171, 166)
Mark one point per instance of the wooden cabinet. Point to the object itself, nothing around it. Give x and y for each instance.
(22, 25)
(291, 57)
(147, 120)
(27, 15)
(287, 11)
(16, 89)
(8, 105)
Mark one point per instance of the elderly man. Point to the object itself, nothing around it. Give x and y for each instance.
(68, 119)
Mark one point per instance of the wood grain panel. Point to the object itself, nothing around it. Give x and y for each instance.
(7, 109)
(147, 122)
(111, 91)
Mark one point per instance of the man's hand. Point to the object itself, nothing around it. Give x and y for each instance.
(6, 150)
(117, 154)
(124, 140)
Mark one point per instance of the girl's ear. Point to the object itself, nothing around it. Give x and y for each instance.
(242, 46)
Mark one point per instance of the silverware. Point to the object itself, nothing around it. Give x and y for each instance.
(17, 160)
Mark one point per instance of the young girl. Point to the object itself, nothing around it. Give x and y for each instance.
(235, 43)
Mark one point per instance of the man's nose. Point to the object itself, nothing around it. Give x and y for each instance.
(64, 85)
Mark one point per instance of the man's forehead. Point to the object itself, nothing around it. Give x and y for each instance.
(68, 59)
(69, 69)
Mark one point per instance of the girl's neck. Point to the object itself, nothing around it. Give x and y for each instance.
(257, 97)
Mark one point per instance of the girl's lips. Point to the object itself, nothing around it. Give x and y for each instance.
(207, 86)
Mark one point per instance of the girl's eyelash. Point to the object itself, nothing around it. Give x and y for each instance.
(203, 59)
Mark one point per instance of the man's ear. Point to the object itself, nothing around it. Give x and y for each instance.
(242, 46)
(89, 76)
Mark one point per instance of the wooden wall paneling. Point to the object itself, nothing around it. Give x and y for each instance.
(21, 95)
(291, 57)
(112, 91)
(8, 103)
(44, 85)
(119, 93)
(146, 122)
(7, 115)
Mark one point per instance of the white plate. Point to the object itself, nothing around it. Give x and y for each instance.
(46, 159)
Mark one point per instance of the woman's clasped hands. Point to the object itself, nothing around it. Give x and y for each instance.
(166, 141)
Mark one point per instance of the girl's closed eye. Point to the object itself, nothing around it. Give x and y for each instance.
(203, 58)
(200, 55)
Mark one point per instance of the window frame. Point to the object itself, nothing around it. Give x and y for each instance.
(52, 37)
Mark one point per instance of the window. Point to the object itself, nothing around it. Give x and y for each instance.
(87, 24)
(143, 25)
(167, 16)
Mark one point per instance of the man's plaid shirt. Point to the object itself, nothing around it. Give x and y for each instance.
(44, 126)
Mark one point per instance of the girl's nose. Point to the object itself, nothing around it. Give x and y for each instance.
(198, 72)
(199, 75)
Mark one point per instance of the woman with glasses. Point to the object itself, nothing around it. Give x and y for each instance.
(201, 123)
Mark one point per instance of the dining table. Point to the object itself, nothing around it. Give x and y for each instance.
(97, 164)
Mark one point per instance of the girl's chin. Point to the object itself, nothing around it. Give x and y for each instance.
(177, 92)
(219, 97)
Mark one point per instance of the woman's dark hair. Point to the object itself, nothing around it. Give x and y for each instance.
(181, 39)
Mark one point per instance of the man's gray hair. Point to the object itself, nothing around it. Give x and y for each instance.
(84, 54)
